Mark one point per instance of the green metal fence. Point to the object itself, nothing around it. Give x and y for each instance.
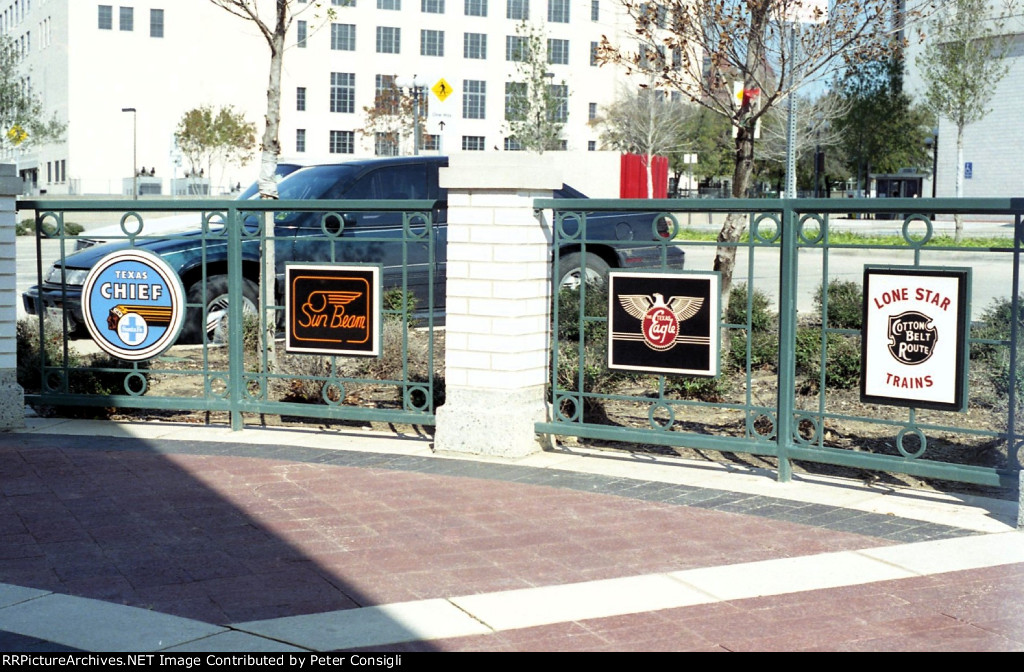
(221, 262)
(789, 385)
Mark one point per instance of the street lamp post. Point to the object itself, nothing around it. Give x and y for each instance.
(415, 86)
(934, 142)
(135, 150)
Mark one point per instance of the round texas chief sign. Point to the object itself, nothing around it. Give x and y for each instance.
(133, 304)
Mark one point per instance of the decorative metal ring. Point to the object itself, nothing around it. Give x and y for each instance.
(332, 230)
(417, 398)
(577, 217)
(417, 232)
(58, 224)
(55, 381)
(920, 435)
(139, 225)
(752, 422)
(655, 424)
(673, 230)
(567, 400)
(254, 387)
(208, 230)
(333, 392)
(135, 376)
(802, 234)
(255, 229)
(801, 418)
(755, 227)
(216, 386)
(928, 231)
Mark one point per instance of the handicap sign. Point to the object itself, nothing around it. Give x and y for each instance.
(968, 170)
(133, 305)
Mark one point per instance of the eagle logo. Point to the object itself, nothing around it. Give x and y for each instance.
(660, 319)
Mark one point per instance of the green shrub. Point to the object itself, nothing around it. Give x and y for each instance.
(994, 325)
(764, 350)
(760, 319)
(403, 304)
(27, 227)
(569, 313)
(702, 389)
(597, 377)
(845, 304)
(842, 359)
(100, 376)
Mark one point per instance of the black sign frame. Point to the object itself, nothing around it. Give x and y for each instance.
(333, 309)
(919, 301)
(665, 323)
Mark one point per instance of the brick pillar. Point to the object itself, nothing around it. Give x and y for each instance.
(498, 304)
(12, 397)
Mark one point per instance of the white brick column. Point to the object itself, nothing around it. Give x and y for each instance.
(498, 303)
(12, 397)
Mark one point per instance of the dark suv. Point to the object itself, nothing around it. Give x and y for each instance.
(377, 237)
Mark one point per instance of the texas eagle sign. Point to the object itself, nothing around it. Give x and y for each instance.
(664, 323)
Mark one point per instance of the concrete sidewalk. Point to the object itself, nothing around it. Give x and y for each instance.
(160, 537)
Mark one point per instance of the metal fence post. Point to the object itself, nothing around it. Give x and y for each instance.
(12, 396)
(787, 339)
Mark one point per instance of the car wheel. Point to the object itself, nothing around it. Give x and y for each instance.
(215, 298)
(571, 269)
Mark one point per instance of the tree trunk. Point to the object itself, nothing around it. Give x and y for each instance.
(650, 175)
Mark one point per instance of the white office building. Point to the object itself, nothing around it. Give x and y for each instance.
(122, 75)
(993, 146)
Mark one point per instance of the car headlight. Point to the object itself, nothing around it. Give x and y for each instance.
(73, 276)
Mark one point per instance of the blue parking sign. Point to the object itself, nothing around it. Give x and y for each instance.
(968, 170)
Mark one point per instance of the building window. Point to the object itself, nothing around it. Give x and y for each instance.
(301, 31)
(156, 23)
(559, 93)
(300, 99)
(474, 45)
(389, 40)
(593, 53)
(343, 92)
(385, 144)
(473, 143)
(558, 11)
(343, 36)
(431, 43)
(126, 19)
(343, 3)
(106, 17)
(558, 51)
(476, 7)
(432, 6)
(300, 140)
(390, 4)
(516, 48)
(595, 10)
(517, 9)
(591, 145)
(592, 111)
(515, 96)
(474, 98)
(512, 145)
(342, 142)
(386, 95)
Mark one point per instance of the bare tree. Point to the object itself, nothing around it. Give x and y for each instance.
(816, 120)
(274, 28)
(394, 116)
(702, 47)
(646, 122)
(962, 64)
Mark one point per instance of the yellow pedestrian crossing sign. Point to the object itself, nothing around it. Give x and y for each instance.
(442, 89)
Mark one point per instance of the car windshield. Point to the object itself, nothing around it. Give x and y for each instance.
(316, 182)
(283, 170)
